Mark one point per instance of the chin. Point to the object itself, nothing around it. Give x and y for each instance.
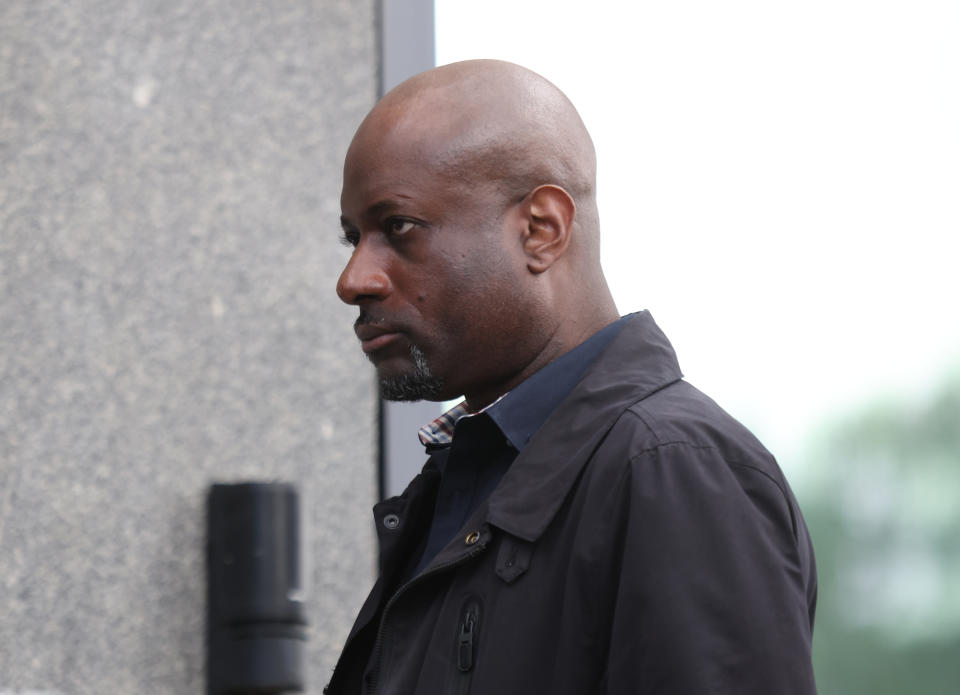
(416, 382)
(406, 388)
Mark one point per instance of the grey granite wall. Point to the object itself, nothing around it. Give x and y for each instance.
(169, 176)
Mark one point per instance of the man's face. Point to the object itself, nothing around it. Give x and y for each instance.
(433, 270)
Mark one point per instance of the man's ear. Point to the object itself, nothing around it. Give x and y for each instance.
(550, 211)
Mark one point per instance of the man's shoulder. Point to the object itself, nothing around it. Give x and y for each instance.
(678, 450)
(679, 422)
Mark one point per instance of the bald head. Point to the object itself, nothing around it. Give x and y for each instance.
(493, 123)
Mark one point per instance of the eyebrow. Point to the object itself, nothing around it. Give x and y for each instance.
(385, 205)
(376, 210)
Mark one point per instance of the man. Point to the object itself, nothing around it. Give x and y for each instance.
(587, 522)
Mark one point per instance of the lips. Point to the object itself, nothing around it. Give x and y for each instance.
(376, 336)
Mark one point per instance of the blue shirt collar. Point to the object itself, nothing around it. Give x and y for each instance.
(521, 412)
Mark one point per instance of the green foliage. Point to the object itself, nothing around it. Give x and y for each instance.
(884, 514)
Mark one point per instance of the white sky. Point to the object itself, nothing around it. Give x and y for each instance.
(779, 183)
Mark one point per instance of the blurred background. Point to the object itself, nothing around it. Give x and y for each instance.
(779, 185)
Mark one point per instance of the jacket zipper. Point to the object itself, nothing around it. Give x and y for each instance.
(378, 643)
(467, 636)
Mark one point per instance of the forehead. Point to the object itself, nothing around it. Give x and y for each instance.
(389, 160)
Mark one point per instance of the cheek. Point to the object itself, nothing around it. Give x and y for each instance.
(470, 294)
(485, 302)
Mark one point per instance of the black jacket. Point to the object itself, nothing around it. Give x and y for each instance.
(642, 542)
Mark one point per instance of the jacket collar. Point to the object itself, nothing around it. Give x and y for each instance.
(638, 362)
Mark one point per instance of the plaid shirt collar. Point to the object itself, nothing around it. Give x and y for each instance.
(440, 431)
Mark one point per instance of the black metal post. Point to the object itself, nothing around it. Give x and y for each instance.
(256, 625)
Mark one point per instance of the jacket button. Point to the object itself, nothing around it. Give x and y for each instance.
(472, 537)
(391, 521)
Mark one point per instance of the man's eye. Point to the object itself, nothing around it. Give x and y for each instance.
(350, 238)
(398, 227)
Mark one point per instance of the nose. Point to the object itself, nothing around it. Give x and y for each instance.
(364, 278)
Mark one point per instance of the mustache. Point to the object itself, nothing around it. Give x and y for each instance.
(366, 318)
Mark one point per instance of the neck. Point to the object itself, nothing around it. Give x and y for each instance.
(574, 329)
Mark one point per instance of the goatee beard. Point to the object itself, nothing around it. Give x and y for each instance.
(418, 385)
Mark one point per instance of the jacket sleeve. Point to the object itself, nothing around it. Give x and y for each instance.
(714, 588)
